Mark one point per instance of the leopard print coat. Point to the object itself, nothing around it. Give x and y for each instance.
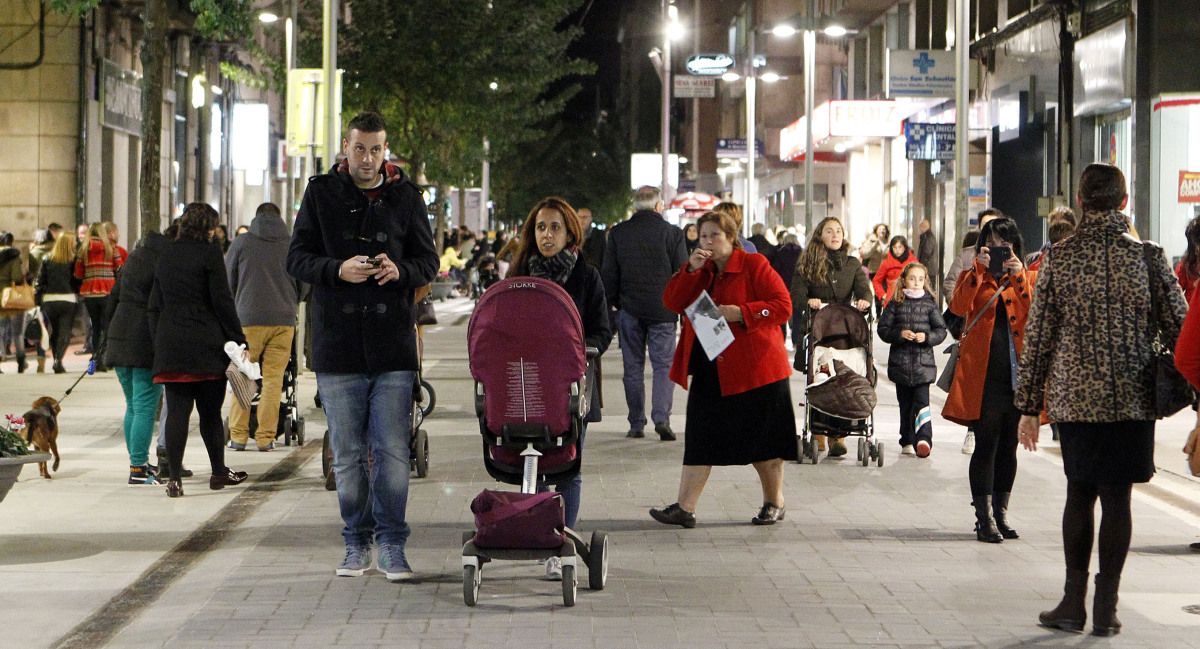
(1088, 349)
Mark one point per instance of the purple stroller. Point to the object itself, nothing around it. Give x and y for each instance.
(532, 373)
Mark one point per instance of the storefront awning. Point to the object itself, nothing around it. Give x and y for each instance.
(839, 122)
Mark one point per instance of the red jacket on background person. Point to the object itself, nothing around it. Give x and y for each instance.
(889, 271)
(99, 274)
(1187, 283)
(1187, 346)
(756, 357)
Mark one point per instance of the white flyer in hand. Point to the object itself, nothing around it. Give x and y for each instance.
(712, 330)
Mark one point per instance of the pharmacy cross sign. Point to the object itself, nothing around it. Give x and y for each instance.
(924, 63)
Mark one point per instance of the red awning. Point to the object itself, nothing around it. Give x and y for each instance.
(694, 201)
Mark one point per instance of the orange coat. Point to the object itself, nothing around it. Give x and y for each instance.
(975, 286)
(889, 272)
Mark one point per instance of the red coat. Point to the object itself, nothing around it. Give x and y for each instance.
(889, 271)
(756, 357)
(1187, 347)
(974, 288)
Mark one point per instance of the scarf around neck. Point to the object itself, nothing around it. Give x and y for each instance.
(557, 268)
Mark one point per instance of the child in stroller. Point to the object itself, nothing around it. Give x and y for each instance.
(839, 395)
(531, 395)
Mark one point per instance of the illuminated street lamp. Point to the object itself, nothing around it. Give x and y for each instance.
(267, 17)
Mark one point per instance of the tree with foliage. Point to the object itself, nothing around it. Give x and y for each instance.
(448, 73)
(215, 20)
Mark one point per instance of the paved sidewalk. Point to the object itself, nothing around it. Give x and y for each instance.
(872, 556)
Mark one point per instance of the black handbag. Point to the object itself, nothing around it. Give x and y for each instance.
(425, 314)
(1172, 392)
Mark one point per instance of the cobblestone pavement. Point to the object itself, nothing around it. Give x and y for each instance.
(881, 557)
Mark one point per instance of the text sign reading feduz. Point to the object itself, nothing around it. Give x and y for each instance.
(920, 73)
(709, 65)
(928, 141)
(121, 98)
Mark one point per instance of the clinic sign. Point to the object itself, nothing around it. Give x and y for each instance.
(120, 98)
(924, 141)
(920, 73)
(1189, 186)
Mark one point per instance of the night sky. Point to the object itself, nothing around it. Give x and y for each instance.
(600, 20)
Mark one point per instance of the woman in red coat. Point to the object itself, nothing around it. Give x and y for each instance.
(899, 255)
(739, 408)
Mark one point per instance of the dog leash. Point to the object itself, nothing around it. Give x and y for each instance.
(91, 369)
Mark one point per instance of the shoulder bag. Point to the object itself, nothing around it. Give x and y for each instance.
(18, 297)
(946, 380)
(1171, 391)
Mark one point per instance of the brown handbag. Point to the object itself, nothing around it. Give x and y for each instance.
(244, 388)
(18, 297)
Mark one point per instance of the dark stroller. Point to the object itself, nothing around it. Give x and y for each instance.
(839, 394)
(531, 371)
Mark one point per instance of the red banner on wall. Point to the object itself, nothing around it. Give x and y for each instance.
(1189, 186)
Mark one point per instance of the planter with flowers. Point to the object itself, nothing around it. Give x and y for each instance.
(14, 453)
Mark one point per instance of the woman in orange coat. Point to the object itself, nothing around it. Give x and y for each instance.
(739, 408)
(899, 255)
(983, 389)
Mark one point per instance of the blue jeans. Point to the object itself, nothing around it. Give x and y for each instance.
(636, 336)
(571, 490)
(141, 400)
(370, 414)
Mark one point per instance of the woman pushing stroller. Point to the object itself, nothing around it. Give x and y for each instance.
(739, 408)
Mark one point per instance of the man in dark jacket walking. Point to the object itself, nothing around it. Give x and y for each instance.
(266, 298)
(594, 239)
(362, 240)
(641, 255)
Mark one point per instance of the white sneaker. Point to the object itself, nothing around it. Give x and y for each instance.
(553, 569)
(969, 443)
(908, 450)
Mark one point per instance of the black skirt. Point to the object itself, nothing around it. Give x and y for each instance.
(739, 429)
(1116, 452)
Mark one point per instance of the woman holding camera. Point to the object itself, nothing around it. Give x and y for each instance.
(994, 296)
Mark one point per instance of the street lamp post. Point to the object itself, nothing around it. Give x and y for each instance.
(667, 11)
(810, 54)
(751, 134)
(329, 50)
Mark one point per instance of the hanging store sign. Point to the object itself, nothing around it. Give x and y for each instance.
(709, 65)
(924, 141)
(695, 87)
(920, 73)
(1189, 186)
(736, 148)
(121, 98)
(1104, 70)
(852, 119)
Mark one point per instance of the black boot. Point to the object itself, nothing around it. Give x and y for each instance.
(1071, 612)
(1000, 513)
(1104, 607)
(985, 528)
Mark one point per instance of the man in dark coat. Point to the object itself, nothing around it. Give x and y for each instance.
(641, 255)
(594, 240)
(362, 240)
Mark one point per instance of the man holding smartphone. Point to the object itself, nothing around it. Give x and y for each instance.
(362, 240)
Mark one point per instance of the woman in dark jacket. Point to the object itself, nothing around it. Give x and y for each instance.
(550, 240)
(192, 315)
(826, 274)
(912, 324)
(129, 350)
(56, 288)
(1089, 360)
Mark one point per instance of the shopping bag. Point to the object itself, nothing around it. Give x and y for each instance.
(513, 520)
(947, 378)
(244, 388)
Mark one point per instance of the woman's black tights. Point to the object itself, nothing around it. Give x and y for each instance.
(994, 461)
(207, 397)
(1116, 526)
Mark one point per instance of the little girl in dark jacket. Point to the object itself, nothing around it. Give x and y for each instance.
(912, 324)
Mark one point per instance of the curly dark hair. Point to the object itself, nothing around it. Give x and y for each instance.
(197, 222)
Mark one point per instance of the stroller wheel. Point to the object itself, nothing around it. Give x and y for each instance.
(420, 453)
(299, 430)
(879, 456)
(471, 579)
(598, 561)
(569, 584)
(428, 398)
(862, 449)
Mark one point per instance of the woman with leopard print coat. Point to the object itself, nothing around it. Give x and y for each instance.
(1089, 360)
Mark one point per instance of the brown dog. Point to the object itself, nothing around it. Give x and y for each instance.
(41, 429)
